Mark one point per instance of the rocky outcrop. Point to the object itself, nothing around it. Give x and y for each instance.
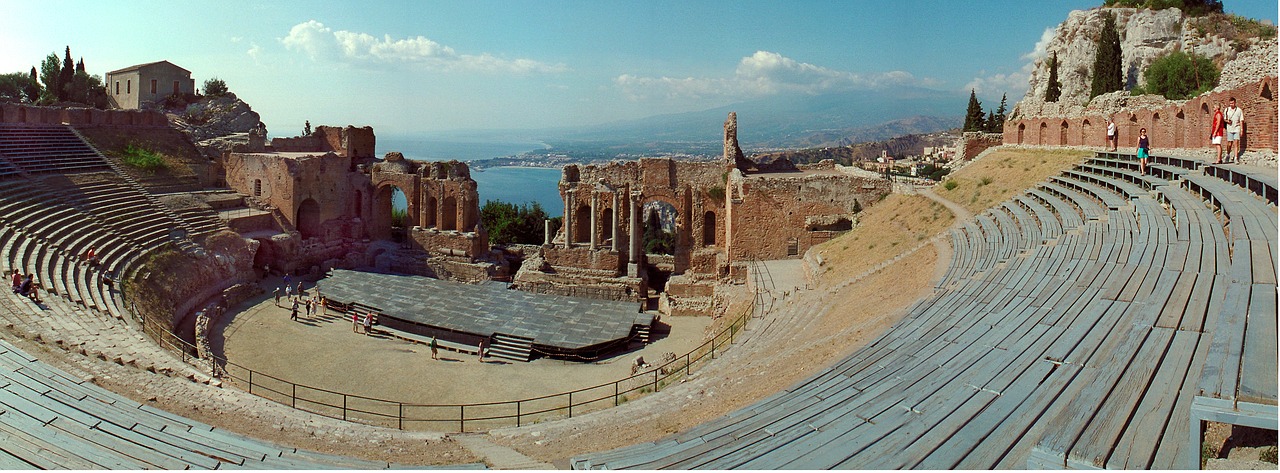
(214, 117)
(394, 162)
(1145, 35)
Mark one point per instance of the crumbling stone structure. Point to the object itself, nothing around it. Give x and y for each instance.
(725, 214)
(332, 198)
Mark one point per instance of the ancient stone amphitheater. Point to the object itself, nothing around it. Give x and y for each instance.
(1095, 320)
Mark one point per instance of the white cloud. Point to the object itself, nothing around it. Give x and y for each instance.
(1015, 83)
(760, 74)
(254, 51)
(319, 42)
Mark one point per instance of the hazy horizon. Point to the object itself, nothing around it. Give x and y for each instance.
(412, 68)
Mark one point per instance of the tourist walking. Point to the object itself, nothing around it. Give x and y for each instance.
(1217, 129)
(277, 294)
(355, 322)
(1234, 118)
(288, 291)
(324, 306)
(480, 349)
(368, 323)
(1111, 133)
(435, 350)
(294, 314)
(1144, 151)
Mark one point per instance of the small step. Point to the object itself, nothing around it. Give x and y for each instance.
(511, 347)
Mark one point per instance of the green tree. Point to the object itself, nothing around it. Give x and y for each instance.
(215, 87)
(1180, 76)
(996, 125)
(80, 65)
(87, 89)
(1054, 90)
(65, 75)
(50, 69)
(1190, 7)
(656, 240)
(1108, 73)
(33, 87)
(13, 87)
(973, 117)
(508, 223)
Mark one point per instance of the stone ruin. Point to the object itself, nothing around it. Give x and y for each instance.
(725, 215)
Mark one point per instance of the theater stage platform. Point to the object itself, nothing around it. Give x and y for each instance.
(557, 324)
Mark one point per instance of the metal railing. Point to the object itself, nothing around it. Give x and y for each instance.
(476, 416)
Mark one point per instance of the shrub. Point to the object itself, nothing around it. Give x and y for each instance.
(215, 87)
(951, 185)
(142, 158)
(985, 180)
(1179, 76)
(716, 193)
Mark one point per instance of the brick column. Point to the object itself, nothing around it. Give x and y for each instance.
(634, 257)
(568, 220)
(595, 209)
(613, 244)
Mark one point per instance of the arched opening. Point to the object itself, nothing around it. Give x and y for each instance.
(606, 226)
(1044, 128)
(1179, 124)
(429, 212)
(257, 187)
(1086, 128)
(1266, 93)
(449, 214)
(1022, 128)
(582, 224)
(1062, 134)
(709, 228)
(389, 215)
(308, 219)
(1133, 130)
(659, 228)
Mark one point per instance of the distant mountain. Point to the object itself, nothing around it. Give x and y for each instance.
(792, 121)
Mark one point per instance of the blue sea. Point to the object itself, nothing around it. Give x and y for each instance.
(518, 185)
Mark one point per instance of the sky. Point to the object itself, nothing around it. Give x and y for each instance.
(417, 68)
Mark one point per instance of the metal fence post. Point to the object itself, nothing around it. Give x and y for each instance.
(250, 381)
(655, 381)
(344, 407)
(570, 404)
(462, 418)
(400, 420)
(293, 398)
(517, 413)
(686, 364)
(615, 394)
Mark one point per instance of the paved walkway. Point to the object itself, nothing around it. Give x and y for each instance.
(499, 457)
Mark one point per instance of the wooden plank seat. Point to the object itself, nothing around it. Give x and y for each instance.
(1260, 181)
(1069, 215)
(1069, 197)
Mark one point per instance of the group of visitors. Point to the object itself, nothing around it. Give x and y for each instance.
(1227, 125)
(356, 320)
(28, 286)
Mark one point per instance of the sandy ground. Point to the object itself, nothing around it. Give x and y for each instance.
(323, 351)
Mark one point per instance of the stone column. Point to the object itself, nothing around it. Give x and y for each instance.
(613, 242)
(635, 228)
(595, 209)
(568, 220)
(546, 232)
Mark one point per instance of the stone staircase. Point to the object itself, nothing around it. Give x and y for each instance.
(38, 149)
(511, 347)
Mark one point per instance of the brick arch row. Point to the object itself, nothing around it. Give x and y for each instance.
(1184, 125)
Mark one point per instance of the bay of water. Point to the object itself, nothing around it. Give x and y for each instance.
(517, 185)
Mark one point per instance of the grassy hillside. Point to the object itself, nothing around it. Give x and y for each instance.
(1005, 172)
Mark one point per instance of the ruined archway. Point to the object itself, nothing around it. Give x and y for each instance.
(449, 214)
(1062, 134)
(605, 230)
(1044, 128)
(709, 228)
(429, 212)
(581, 224)
(308, 219)
(660, 228)
(389, 214)
(1022, 128)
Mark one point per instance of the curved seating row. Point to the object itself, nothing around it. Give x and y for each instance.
(45, 149)
(1089, 348)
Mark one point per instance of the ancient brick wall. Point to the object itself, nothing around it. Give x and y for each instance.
(1177, 125)
(609, 262)
(30, 114)
(973, 143)
(347, 142)
(772, 213)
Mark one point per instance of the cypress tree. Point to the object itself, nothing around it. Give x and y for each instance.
(1107, 70)
(991, 126)
(1002, 114)
(80, 65)
(65, 76)
(973, 118)
(33, 87)
(1054, 90)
